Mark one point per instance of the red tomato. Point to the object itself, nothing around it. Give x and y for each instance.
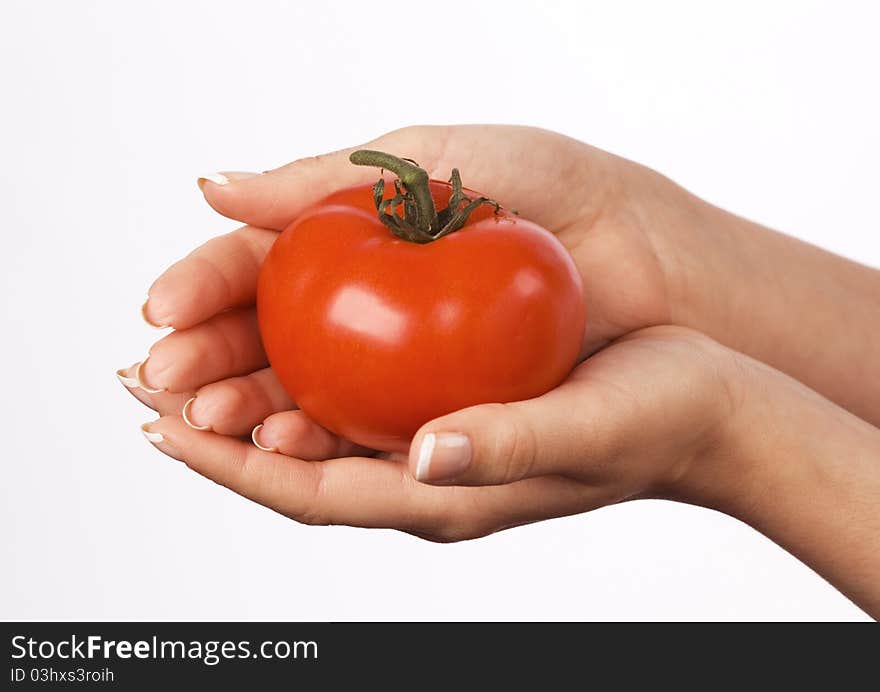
(372, 336)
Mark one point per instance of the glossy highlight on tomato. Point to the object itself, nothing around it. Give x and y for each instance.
(373, 336)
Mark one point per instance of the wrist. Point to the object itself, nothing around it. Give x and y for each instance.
(803, 472)
(711, 260)
(737, 472)
(728, 468)
(712, 280)
(706, 432)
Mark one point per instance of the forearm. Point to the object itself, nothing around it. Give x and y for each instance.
(806, 474)
(805, 311)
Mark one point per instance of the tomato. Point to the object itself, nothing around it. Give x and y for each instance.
(372, 335)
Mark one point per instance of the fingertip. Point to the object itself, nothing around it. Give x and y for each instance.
(255, 439)
(139, 378)
(185, 443)
(420, 461)
(223, 192)
(273, 199)
(186, 414)
(441, 457)
(282, 432)
(221, 179)
(147, 313)
(294, 434)
(213, 178)
(157, 433)
(126, 376)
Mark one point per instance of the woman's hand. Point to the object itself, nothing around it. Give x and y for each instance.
(591, 200)
(582, 194)
(664, 412)
(647, 416)
(566, 186)
(215, 353)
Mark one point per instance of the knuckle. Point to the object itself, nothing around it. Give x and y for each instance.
(462, 517)
(253, 245)
(452, 533)
(221, 332)
(310, 517)
(430, 141)
(314, 513)
(238, 472)
(212, 278)
(514, 448)
(407, 133)
(231, 401)
(303, 162)
(226, 405)
(162, 367)
(445, 525)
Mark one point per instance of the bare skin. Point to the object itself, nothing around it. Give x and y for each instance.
(658, 411)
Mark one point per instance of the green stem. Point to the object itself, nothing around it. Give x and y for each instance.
(413, 178)
(421, 222)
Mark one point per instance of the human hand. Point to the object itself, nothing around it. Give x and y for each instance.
(646, 417)
(208, 297)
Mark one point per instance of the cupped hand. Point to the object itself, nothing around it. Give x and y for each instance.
(597, 204)
(615, 217)
(647, 416)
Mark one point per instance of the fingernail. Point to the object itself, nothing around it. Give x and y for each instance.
(155, 325)
(216, 178)
(154, 437)
(225, 178)
(186, 416)
(256, 442)
(129, 382)
(140, 378)
(443, 456)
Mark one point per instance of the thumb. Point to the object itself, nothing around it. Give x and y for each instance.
(275, 198)
(494, 444)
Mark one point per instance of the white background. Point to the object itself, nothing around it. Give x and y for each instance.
(110, 110)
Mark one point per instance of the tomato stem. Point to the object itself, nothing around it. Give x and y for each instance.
(413, 178)
(421, 223)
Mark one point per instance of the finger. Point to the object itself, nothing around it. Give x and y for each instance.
(164, 403)
(482, 152)
(472, 512)
(502, 443)
(294, 434)
(275, 198)
(235, 405)
(225, 346)
(354, 491)
(218, 275)
(362, 492)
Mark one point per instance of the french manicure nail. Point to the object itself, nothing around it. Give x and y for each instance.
(254, 434)
(153, 437)
(225, 178)
(443, 456)
(129, 382)
(216, 178)
(140, 379)
(150, 322)
(186, 416)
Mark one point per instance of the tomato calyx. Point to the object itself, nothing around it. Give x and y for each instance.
(421, 222)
